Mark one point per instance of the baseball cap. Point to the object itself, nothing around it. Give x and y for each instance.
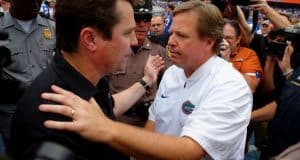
(266, 22)
(143, 11)
(143, 7)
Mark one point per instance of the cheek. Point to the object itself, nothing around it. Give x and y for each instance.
(122, 43)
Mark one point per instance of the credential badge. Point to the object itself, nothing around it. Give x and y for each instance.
(47, 33)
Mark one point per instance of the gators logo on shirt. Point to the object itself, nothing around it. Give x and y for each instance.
(187, 107)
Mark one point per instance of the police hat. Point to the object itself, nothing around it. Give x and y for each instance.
(265, 22)
(143, 7)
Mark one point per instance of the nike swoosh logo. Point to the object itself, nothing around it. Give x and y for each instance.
(164, 96)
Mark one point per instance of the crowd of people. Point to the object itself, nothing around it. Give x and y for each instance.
(116, 80)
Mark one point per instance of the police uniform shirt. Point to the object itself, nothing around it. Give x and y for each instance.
(31, 51)
(132, 70)
(212, 106)
(27, 125)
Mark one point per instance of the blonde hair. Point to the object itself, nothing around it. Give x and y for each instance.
(209, 21)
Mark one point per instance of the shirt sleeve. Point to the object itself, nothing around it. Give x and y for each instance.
(251, 65)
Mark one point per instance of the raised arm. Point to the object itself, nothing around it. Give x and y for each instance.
(277, 20)
(127, 98)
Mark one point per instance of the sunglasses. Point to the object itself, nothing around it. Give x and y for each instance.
(142, 17)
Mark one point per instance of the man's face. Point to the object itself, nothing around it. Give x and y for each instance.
(5, 5)
(231, 36)
(187, 50)
(25, 9)
(123, 37)
(265, 29)
(157, 25)
(143, 22)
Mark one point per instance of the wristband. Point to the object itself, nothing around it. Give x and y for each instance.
(144, 84)
(287, 72)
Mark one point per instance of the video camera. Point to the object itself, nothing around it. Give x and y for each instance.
(278, 38)
(5, 59)
(8, 85)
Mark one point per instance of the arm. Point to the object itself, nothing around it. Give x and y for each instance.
(120, 136)
(265, 113)
(127, 98)
(268, 82)
(246, 30)
(251, 69)
(150, 126)
(252, 81)
(277, 20)
(242, 20)
(153, 146)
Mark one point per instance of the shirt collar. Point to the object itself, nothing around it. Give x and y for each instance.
(8, 20)
(70, 76)
(203, 70)
(147, 44)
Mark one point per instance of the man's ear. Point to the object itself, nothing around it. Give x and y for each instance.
(90, 38)
(210, 43)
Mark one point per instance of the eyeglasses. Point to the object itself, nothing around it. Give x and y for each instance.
(142, 17)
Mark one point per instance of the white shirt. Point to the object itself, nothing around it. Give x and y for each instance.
(212, 106)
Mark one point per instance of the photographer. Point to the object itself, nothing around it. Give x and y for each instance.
(283, 114)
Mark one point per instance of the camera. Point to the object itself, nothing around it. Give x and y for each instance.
(8, 85)
(5, 59)
(278, 38)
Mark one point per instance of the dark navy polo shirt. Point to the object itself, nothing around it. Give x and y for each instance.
(28, 132)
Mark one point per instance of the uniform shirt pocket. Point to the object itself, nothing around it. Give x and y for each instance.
(47, 49)
(19, 60)
(117, 81)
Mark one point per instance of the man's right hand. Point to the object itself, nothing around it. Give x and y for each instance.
(152, 68)
(87, 117)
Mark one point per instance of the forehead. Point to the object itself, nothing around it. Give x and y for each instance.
(157, 19)
(125, 11)
(228, 30)
(125, 14)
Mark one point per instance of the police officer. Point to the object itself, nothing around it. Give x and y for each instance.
(32, 45)
(132, 70)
